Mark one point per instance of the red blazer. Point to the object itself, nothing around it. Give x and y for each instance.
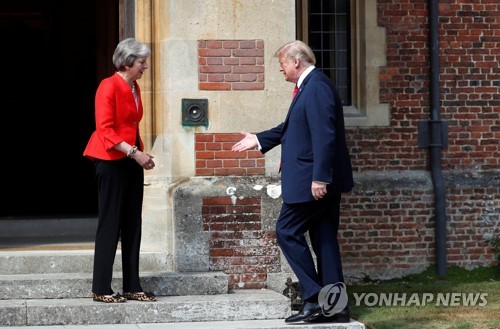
(117, 119)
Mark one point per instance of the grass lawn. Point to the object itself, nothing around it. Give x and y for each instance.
(428, 301)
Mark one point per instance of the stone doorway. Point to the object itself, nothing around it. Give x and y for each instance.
(54, 54)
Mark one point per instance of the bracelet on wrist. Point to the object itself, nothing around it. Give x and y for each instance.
(132, 152)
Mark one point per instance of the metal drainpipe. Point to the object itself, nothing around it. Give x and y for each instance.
(437, 134)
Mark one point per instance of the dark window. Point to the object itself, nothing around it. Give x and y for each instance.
(325, 26)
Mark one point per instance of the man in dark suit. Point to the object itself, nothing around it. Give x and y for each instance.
(315, 170)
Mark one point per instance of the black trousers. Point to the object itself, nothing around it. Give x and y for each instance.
(120, 186)
(321, 220)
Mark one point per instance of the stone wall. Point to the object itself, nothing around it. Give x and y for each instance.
(386, 230)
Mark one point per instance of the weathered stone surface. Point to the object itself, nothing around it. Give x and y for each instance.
(240, 305)
(78, 285)
(67, 261)
(13, 313)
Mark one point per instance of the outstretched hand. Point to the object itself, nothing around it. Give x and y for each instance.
(248, 142)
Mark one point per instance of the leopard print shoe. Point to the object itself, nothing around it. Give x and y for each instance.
(114, 298)
(140, 296)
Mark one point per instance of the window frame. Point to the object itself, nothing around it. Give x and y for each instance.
(366, 38)
(343, 84)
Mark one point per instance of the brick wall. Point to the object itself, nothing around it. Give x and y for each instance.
(383, 229)
(389, 232)
(239, 245)
(215, 158)
(470, 84)
(388, 229)
(473, 225)
(469, 41)
(231, 64)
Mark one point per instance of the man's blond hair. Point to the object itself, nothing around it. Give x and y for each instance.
(297, 50)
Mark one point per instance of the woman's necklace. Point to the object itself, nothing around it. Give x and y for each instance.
(131, 84)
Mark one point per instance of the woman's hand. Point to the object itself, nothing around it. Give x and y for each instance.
(145, 160)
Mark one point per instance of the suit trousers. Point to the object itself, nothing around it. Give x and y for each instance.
(321, 220)
(120, 192)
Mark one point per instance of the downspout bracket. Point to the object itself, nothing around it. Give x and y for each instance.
(432, 133)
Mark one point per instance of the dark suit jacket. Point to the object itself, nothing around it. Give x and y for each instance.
(312, 138)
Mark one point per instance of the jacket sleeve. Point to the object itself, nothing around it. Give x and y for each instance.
(270, 138)
(105, 114)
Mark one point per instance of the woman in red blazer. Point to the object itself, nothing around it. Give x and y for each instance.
(119, 162)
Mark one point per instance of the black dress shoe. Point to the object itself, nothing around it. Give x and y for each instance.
(308, 310)
(342, 317)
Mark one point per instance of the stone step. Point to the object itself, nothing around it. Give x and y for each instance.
(244, 324)
(79, 285)
(53, 228)
(239, 305)
(68, 261)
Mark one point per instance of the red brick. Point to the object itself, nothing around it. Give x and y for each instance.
(248, 52)
(247, 163)
(204, 137)
(214, 86)
(217, 201)
(213, 163)
(217, 252)
(229, 171)
(204, 172)
(215, 69)
(227, 137)
(230, 44)
(255, 171)
(230, 163)
(213, 44)
(214, 52)
(205, 155)
(229, 155)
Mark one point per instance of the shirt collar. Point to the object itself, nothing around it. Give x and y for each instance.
(304, 74)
